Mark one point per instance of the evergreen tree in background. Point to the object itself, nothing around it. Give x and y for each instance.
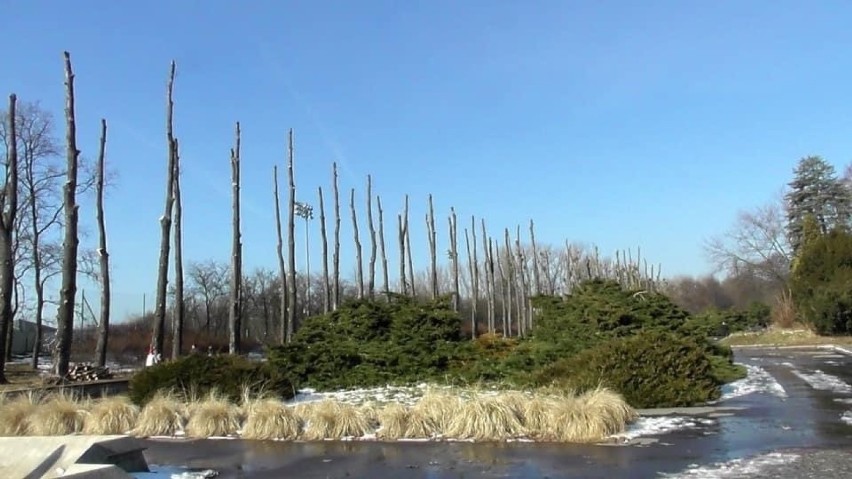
(816, 191)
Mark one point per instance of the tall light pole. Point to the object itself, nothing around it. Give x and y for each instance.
(306, 211)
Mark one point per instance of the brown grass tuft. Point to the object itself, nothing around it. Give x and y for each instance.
(394, 421)
(115, 415)
(214, 416)
(14, 414)
(608, 408)
(270, 419)
(162, 416)
(487, 418)
(59, 415)
(432, 415)
(329, 419)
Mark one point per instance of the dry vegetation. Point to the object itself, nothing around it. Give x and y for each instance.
(476, 416)
(784, 337)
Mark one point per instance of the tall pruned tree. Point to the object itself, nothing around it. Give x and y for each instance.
(159, 327)
(326, 292)
(454, 258)
(407, 238)
(816, 190)
(236, 304)
(403, 277)
(359, 267)
(382, 246)
(335, 289)
(103, 254)
(291, 240)
(433, 249)
(371, 275)
(282, 269)
(8, 211)
(180, 301)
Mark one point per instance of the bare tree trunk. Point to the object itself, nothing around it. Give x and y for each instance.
(158, 334)
(535, 271)
(180, 302)
(335, 290)
(521, 290)
(103, 324)
(291, 241)
(408, 251)
(371, 284)
(454, 257)
(383, 251)
(475, 270)
(65, 316)
(492, 284)
(472, 287)
(403, 278)
(359, 267)
(235, 319)
(510, 283)
(433, 253)
(282, 269)
(504, 310)
(8, 212)
(326, 294)
(487, 259)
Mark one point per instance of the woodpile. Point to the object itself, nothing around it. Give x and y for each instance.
(81, 372)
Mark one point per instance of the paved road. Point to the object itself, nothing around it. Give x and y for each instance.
(791, 427)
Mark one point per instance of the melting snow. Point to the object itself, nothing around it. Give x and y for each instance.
(735, 468)
(824, 382)
(847, 417)
(757, 380)
(658, 425)
(162, 472)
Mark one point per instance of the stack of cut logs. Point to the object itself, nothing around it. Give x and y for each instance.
(86, 372)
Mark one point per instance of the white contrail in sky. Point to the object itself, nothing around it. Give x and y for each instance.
(330, 142)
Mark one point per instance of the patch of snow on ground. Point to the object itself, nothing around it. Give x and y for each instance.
(824, 382)
(757, 380)
(847, 417)
(406, 395)
(168, 472)
(658, 425)
(735, 468)
(843, 400)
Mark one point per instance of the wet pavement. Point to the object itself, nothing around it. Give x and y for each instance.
(788, 422)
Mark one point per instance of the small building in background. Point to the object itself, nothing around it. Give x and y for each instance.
(24, 335)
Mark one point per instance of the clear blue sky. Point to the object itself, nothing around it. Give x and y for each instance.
(618, 123)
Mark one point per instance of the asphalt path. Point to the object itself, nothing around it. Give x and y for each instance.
(796, 432)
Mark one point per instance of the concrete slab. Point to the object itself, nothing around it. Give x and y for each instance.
(82, 457)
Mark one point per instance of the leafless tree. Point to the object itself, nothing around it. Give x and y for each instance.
(68, 292)
(236, 305)
(454, 257)
(407, 231)
(385, 279)
(757, 242)
(433, 249)
(209, 280)
(282, 270)
(359, 268)
(291, 241)
(535, 269)
(8, 211)
(158, 335)
(103, 324)
(180, 302)
(326, 293)
(371, 278)
(335, 290)
(471, 262)
(403, 278)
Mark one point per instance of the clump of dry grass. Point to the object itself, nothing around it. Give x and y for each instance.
(270, 419)
(162, 416)
(114, 415)
(58, 415)
(394, 421)
(14, 414)
(432, 415)
(329, 419)
(486, 418)
(214, 416)
(589, 417)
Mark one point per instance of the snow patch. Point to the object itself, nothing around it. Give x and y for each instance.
(406, 395)
(757, 380)
(168, 472)
(846, 417)
(659, 425)
(743, 467)
(824, 382)
(843, 400)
